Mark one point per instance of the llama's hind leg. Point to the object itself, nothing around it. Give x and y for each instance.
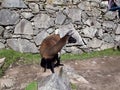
(44, 64)
(52, 67)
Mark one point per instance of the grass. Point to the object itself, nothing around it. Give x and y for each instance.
(107, 52)
(28, 58)
(32, 86)
(13, 56)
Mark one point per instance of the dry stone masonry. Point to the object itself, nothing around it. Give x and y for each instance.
(25, 23)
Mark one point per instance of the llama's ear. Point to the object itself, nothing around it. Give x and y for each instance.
(57, 31)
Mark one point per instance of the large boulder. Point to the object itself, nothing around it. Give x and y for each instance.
(24, 27)
(42, 21)
(40, 37)
(22, 45)
(13, 4)
(8, 17)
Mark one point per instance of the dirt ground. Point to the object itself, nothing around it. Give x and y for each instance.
(102, 73)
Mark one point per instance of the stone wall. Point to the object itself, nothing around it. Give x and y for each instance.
(25, 23)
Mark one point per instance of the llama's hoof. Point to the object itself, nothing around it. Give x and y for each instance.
(61, 64)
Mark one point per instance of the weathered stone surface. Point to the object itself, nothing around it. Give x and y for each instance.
(7, 34)
(109, 25)
(60, 18)
(118, 29)
(24, 27)
(106, 45)
(108, 38)
(42, 21)
(39, 38)
(34, 7)
(73, 50)
(110, 15)
(95, 43)
(1, 30)
(117, 38)
(95, 12)
(75, 14)
(13, 4)
(54, 82)
(84, 5)
(27, 15)
(59, 2)
(32, 0)
(2, 45)
(92, 22)
(2, 61)
(8, 17)
(22, 45)
(6, 83)
(89, 31)
(65, 28)
(50, 30)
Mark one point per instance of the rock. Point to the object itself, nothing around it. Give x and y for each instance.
(118, 29)
(27, 15)
(84, 5)
(109, 25)
(24, 27)
(73, 76)
(58, 2)
(6, 83)
(92, 22)
(7, 34)
(95, 12)
(76, 1)
(2, 60)
(55, 82)
(108, 38)
(95, 43)
(8, 17)
(65, 28)
(40, 37)
(13, 4)
(51, 9)
(89, 31)
(117, 38)
(2, 45)
(1, 30)
(60, 18)
(110, 15)
(75, 14)
(50, 30)
(22, 45)
(73, 50)
(42, 21)
(32, 0)
(34, 7)
(106, 45)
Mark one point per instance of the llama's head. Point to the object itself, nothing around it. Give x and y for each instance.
(71, 38)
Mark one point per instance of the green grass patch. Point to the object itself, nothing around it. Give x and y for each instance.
(107, 52)
(73, 86)
(13, 57)
(32, 86)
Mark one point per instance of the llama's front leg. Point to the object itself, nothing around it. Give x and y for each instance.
(58, 61)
